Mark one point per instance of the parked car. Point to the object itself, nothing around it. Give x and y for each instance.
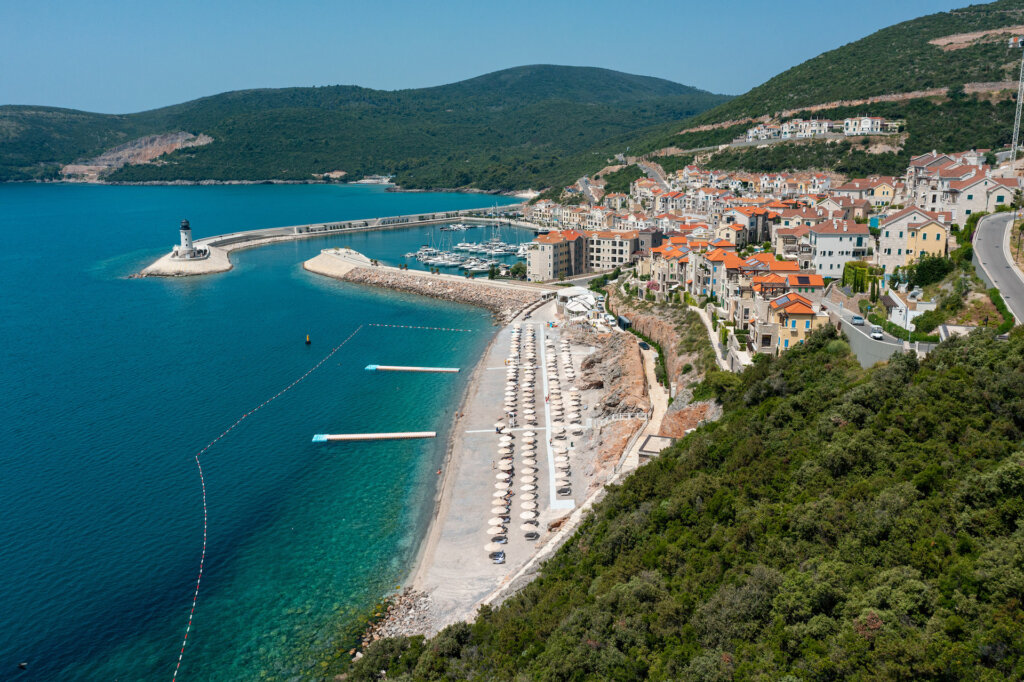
(644, 346)
(876, 332)
(858, 320)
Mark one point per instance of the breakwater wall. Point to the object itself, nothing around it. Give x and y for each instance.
(223, 244)
(504, 299)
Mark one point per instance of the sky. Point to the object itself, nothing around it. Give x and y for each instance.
(120, 57)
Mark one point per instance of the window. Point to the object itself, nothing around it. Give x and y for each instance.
(786, 343)
(794, 324)
(887, 233)
(968, 211)
(1000, 199)
(969, 197)
(807, 324)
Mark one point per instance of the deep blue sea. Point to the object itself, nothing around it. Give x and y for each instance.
(109, 386)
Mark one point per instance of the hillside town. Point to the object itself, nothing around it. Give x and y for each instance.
(759, 250)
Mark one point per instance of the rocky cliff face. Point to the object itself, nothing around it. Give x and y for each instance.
(143, 150)
(617, 367)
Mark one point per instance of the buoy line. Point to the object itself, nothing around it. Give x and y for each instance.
(407, 326)
(202, 481)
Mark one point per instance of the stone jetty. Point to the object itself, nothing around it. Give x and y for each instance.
(505, 299)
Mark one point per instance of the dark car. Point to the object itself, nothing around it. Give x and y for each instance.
(643, 344)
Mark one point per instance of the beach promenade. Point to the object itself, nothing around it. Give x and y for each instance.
(453, 568)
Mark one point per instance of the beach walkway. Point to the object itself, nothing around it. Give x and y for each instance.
(454, 568)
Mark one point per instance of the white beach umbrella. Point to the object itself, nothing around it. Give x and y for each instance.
(529, 527)
(496, 521)
(502, 476)
(505, 466)
(528, 515)
(529, 434)
(496, 530)
(526, 478)
(493, 547)
(499, 495)
(500, 510)
(528, 504)
(505, 439)
(529, 461)
(529, 487)
(501, 486)
(562, 482)
(574, 389)
(561, 459)
(529, 470)
(528, 496)
(528, 440)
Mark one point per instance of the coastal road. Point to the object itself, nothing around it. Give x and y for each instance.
(868, 350)
(654, 174)
(588, 191)
(992, 253)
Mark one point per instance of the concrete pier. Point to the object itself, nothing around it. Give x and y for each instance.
(400, 368)
(401, 435)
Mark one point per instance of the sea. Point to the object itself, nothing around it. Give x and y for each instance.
(109, 386)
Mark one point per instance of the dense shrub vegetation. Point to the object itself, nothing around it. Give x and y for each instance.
(836, 523)
(620, 180)
(531, 126)
(896, 59)
(951, 125)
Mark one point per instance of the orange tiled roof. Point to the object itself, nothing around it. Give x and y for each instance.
(798, 280)
(783, 266)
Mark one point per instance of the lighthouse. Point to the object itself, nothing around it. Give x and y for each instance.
(186, 250)
(186, 240)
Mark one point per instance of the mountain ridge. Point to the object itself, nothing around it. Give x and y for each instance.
(510, 128)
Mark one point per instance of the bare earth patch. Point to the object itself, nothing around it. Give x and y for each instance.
(959, 41)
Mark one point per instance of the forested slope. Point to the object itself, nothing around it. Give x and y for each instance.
(898, 59)
(515, 128)
(837, 523)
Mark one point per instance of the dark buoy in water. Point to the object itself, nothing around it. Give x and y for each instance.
(307, 340)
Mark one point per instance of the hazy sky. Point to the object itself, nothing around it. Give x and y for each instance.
(120, 57)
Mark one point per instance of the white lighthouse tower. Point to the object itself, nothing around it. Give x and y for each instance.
(186, 250)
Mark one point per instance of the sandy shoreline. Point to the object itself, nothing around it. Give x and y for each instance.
(449, 467)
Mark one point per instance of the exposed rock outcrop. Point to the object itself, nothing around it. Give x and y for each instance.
(141, 150)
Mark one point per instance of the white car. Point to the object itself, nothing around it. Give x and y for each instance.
(876, 332)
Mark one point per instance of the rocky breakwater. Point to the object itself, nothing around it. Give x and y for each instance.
(504, 299)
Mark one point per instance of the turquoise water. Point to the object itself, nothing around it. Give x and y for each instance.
(109, 386)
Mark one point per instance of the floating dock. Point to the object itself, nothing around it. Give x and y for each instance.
(401, 435)
(399, 368)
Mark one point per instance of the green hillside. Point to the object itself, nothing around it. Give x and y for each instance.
(836, 523)
(509, 129)
(897, 59)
